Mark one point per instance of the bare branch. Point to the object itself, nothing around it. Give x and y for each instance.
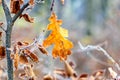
(2, 28)
(7, 12)
(20, 12)
(98, 48)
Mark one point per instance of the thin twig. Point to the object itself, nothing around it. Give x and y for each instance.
(99, 48)
(52, 5)
(2, 28)
(20, 12)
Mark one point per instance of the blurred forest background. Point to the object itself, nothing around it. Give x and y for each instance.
(88, 21)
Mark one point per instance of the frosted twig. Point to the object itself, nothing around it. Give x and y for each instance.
(89, 48)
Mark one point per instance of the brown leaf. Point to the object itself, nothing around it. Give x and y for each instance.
(23, 59)
(31, 2)
(48, 77)
(16, 60)
(69, 70)
(2, 52)
(22, 75)
(27, 18)
(29, 72)
(32, 56)
(60, 72)
(0, 34)
(83, 77)
(42, 49)
(99, 75)
(14, 6)
(22, 43)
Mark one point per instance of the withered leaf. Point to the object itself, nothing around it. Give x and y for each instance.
(0, 34)
(22, 43)
(48, 77)
(14, 6)
(32, 56)
(42, 49)
(27, 18)
(60, 72)
(2, 52)
(22, 75)
(16, 60)
(29, 72)
(69, 70)
(23, 59)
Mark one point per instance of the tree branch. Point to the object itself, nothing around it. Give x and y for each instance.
(2, 28)
(20, 12)
(7, 12)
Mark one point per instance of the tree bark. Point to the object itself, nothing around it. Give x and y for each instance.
(10, 22)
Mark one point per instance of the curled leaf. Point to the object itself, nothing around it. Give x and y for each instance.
(16, 60)
(0, 34)
(14, 6)
(42, 49)
(48, 77)
(83, 77)
(69, 70)
(29, 72)
(2, 52)
(23, 59)
(27, 18)
(32, 56)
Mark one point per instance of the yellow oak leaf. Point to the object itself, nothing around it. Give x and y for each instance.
(62, 45)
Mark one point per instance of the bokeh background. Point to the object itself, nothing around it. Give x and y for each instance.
(89, 21)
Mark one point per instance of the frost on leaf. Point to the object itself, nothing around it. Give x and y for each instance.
(28, 73)
(62, 45)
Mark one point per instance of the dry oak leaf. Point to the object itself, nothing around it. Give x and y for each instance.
(31, 55)
(16, 60)
(23, 59)
(28, 73)
(42, 49)
(27, 18)
(0, 34)
(15, 5)
(2, 52)
(62, 45)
